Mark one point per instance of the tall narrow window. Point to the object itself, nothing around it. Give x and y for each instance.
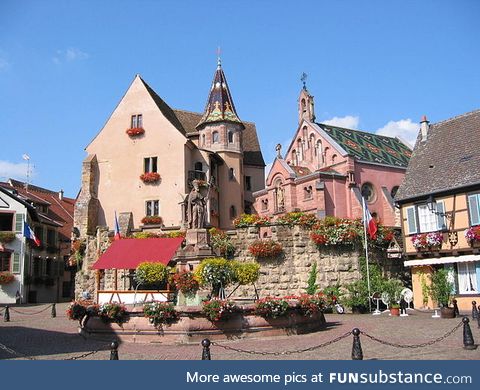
(233, 212)
(152, 208)
(230, 137)
(467, 278)
(136, 121)
(248, 183)
(150, 164)
(215, 137)
(231, 174)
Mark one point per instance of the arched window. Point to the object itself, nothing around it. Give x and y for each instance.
(326, 151)
(231, 174)
(311, 143)
(230, 137)
(198, 166)
(393, 192)
(215, 137)
(279, 196)
(334, 159)
(319, 152)
(294, 157)
(368, 192)
(307, 193)
(304, 106)
(233, 212)
(300, 149)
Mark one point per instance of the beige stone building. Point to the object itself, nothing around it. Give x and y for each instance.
(142, 162)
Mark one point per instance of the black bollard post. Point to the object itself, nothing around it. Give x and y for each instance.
(357, 353)
(468, 342)
(206, 349)
(114, 351)
(478, 317)
(456, 312)
(474, 310)
(54, 310)
(6, 315)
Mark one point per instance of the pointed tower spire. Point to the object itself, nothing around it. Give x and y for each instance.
(219, 107)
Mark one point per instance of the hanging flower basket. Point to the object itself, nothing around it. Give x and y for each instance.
(472, 234)
(6, 237)
(6, 277)
(135, 132)
(150, 177)
(427, 241)
(152, 220)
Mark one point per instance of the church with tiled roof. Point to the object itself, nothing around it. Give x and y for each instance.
(327, 170)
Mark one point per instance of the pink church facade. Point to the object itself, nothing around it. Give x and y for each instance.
(327, 169)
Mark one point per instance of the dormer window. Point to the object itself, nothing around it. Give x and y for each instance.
(136, 121)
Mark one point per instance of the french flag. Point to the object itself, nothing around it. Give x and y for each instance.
(370, 224)
(117, 235)
(28, 233)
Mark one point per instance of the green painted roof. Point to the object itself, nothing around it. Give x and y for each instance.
(368, 147)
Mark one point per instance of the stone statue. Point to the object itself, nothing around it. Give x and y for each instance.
(197, 207)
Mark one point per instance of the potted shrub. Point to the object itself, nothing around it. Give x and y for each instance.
(357, 297)
(159, 313)
(440, 290)
(393, 288)
(216, 272)
(151, 275)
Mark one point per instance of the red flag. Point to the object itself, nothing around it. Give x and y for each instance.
(117, 229)
(370, 223)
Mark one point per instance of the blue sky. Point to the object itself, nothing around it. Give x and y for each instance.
(372, 65)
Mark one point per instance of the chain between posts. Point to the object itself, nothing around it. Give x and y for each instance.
(265, 353)
(31, 313)
(16, 353)
(412, 346)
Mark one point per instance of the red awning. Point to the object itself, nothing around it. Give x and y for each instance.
(130, 252)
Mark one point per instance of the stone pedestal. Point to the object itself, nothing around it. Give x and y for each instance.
(198, 238)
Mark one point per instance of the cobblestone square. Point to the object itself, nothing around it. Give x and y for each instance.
(40, 337)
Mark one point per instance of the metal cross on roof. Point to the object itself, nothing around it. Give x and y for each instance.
(304, 80)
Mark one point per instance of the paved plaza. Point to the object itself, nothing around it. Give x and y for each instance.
(38, 336)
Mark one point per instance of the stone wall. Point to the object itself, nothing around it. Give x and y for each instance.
(289, 272)
(283, 275)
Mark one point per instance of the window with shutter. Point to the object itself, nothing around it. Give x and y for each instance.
(19, 222)
(441, 217)
(16, 263)
(411, 220)
(474, 209)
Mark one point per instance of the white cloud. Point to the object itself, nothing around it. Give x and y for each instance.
(9, 170)
(404, 129)
(349, 121)
(70, 55)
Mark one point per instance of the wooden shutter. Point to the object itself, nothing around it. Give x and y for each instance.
(411, 220)
(441, 218)
(473, 209)
(16, 263)
(19, 222)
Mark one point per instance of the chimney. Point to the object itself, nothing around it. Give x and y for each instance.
(424, 126)
(60, 195)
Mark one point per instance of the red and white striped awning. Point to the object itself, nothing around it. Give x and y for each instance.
(441, 260)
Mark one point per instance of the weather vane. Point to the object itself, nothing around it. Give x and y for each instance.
(304, 80)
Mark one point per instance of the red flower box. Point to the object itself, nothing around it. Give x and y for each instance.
(135, 131)
(152, 220)
(265, 248)
(150, 177)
